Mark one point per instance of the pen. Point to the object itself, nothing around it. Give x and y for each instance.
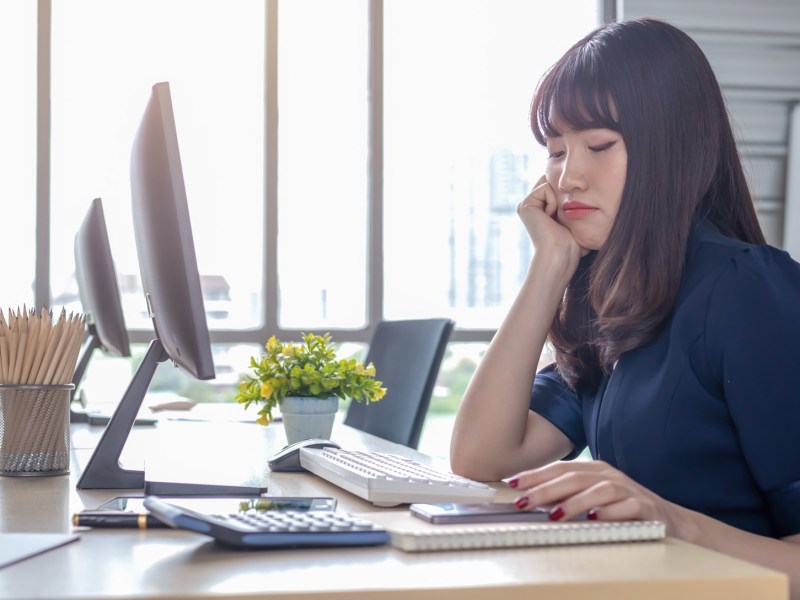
(111, 519)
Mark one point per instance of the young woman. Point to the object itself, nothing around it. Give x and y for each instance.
(676, 330)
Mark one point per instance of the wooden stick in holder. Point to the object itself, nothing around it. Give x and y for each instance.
(4, 377)
(30, 350)
(22, 325)
(60, 350)
(46, 320)
(68, 358)
(53, 340)
(13, 336)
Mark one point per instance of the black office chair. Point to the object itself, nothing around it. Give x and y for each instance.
(407, 356)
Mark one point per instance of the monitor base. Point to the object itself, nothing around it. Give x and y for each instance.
(167, 488)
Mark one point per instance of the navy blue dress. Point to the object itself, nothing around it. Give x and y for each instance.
(707, 415)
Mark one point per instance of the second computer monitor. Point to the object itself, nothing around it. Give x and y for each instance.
(97, 283)
(98, 291)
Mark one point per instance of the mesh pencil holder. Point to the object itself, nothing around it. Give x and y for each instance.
(34, 429)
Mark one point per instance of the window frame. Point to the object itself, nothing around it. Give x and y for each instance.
(375, 237)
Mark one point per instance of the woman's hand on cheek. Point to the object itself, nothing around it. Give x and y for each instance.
(595, 487)
(539, 213)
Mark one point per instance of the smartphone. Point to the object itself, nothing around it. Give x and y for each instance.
(226, 504)
(480, 513)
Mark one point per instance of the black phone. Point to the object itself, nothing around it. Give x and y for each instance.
(480, 513)
(227, 504)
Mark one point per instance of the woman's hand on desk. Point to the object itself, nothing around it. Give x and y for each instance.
(595, 487)
(607, 494)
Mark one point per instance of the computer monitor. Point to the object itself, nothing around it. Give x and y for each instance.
(99, 295)
(171, 283)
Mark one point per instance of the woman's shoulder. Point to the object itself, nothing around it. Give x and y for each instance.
(712, 252)
(747, 308)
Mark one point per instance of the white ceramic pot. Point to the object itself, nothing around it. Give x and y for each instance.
(305, 417)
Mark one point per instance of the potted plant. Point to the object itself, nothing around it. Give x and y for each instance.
(306, 381)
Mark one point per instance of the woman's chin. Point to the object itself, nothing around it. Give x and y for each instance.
(588, 245)
(587, 237)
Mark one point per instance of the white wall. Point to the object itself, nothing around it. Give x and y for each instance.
(754, 48)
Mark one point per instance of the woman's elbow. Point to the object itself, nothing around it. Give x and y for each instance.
(472, 467)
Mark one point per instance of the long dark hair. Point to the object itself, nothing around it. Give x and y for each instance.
(650, 82)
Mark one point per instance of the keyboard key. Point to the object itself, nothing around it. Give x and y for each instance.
(389, 479)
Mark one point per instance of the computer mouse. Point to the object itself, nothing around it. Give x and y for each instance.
(288, 458)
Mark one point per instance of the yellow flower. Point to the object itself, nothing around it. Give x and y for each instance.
(266, 390)
(262, 420)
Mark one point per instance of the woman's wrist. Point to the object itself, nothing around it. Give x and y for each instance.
(682, 523)
(555, 267)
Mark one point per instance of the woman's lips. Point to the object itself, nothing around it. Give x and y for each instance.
(576, 210)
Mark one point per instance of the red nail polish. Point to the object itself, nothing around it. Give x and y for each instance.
(521, 502)
(592, 515)
(513, 482)
(556, 514)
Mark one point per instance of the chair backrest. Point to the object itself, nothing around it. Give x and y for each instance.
(407, 356)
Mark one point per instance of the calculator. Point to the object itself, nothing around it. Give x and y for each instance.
(254, 529)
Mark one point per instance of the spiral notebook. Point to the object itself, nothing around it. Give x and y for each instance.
(414, 535)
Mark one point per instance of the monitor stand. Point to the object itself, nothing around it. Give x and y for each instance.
(103, 470)
(92, 343)
(83, 416)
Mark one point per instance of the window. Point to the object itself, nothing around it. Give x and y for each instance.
(457, 151)
(459, 154)
(105, 58)
(345, 161)
(322, 164)
(18, 150)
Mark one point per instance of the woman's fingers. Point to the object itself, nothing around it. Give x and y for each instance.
(576, 489)
(606, 500)
(627, 509)
(552, 241)
(532, 478)
(564, 487)
(542, 197)
(551, 202)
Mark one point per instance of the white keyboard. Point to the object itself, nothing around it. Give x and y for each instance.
(389, 479)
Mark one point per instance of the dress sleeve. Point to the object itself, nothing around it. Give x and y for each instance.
(753, 345)
(556, 402)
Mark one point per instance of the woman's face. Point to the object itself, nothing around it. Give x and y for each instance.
(587, 170)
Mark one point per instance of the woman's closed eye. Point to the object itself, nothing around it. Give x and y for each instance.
(603, 147)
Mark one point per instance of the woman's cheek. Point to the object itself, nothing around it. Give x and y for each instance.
(553, 174)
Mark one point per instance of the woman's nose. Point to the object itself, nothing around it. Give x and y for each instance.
(573, 175)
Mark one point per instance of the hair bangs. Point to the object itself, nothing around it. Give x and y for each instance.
(573, 95)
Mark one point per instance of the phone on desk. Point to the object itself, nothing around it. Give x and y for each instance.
(447, 512)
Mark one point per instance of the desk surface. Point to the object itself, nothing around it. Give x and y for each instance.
(172, 564)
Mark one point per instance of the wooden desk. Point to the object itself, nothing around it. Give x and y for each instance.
(127, 564)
